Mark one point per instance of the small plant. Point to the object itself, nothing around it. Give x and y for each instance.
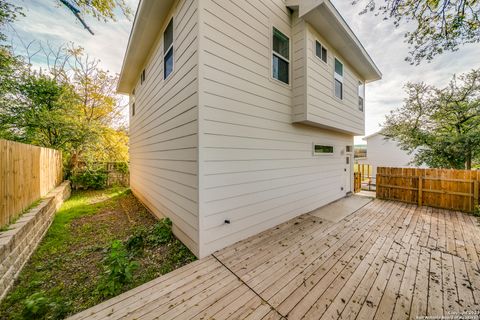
(476, 211)
(121, 167)
(90, 179)
(137, 241)
(36, 306)
(118, 269)
(161, 232)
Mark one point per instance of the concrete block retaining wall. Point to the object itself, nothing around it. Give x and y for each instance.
(20, 241)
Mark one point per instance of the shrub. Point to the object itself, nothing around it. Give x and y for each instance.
(38, 306)
(90, 179)
(137, 241)
(121, 167)
(160, 233)
(476, 211)
(118, 269)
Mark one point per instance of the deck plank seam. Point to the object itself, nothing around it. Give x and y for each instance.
(248, 286)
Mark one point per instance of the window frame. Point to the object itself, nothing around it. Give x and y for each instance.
(339, 78)
(322, 154)
(166, 51)
(317, 42)
(132, 103)
(361, 95)
(143, 77)
(279, 56)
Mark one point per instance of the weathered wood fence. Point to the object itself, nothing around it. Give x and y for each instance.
(440, 188)
(365, 170)
(27, 173)
(357, 182)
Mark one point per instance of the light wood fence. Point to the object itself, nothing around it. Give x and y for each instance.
(357, 182)
(440, 188)
(366, 171)
(27, 173)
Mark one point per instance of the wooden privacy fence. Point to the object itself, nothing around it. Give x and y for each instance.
(365, 170)
(357, 185)
(27, 173)
(440, 188)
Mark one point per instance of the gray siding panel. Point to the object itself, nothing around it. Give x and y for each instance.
(164, 130)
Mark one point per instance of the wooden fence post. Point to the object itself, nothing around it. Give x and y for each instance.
(420, 191)
(475, 194)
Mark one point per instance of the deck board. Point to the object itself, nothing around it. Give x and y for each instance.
(388, 260)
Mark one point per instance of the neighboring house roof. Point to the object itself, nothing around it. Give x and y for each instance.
(321, 14)
(372, 135)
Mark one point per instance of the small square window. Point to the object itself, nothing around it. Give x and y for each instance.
(321, 52)
(168, 50)
(361, 96)
(168, 37)
(168, 64)
(338, 68)
(280, 57)
(319, 149)
(281, 44)
(338, 89)
(280, 69)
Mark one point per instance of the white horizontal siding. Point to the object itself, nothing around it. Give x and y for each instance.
(299, 64)
(257, 168)
(322, 106)
(164, 130)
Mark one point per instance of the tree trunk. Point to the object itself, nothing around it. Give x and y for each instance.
(468, 161)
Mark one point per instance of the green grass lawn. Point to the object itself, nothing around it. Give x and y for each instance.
(76, 264)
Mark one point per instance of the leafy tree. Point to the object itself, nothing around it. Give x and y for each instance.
(441, 125)
(8, 14)
(104, 10)
(99, 107)
(9, 64)
(41, 113)
(441, 25)
(72, 106)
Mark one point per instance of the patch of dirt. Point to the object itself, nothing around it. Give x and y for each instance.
(68, 274)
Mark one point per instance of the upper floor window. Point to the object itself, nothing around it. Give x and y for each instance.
(361, 96)
(168, 50)
(320, 51)
(142, 77)
(338, 79)
(281, 56)
(132, 102)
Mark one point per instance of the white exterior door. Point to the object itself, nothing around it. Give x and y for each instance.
(348, 173)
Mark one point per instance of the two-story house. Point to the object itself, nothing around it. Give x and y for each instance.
(242, 113)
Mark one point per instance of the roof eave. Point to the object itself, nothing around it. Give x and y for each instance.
(311, 10)
(142, 38)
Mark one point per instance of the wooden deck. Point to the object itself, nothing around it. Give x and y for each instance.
(388, 260)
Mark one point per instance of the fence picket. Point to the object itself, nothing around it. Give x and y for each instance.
(27, 173)
(440, 188)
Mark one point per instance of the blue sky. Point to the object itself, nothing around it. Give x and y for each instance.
(46, 21)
